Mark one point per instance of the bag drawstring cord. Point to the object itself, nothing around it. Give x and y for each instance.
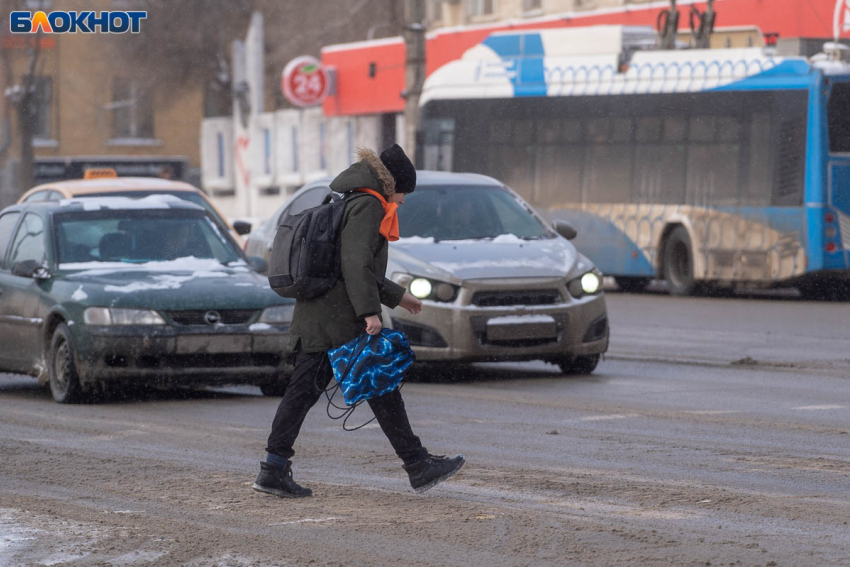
(331, 391)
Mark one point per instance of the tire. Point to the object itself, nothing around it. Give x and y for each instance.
(63, 377)
(632, 285)
(276, 388)
(825, 290)
(679, 262)
(579, 365)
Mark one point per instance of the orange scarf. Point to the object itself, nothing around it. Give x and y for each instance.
(389, 224)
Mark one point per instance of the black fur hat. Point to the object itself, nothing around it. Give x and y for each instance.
(400, 167)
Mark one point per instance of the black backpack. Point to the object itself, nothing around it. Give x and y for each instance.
(304, 261)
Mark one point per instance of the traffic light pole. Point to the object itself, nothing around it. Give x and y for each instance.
(414, 42)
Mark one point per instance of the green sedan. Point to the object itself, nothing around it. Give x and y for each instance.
(98, 292)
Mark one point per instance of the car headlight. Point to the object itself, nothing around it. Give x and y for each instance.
(421, 288)
(589, 283)
(279, 314)
(117, 316)
(424, 288)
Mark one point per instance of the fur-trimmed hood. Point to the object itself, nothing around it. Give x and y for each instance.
(370, 173)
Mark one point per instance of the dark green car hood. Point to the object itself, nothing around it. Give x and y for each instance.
(214, 288)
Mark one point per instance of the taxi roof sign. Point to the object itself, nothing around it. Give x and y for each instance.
(99, 173)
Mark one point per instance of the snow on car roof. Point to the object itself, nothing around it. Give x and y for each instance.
(429, 177)
(160, 201)
(119, 184)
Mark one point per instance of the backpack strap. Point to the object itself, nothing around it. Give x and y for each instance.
(334, 198)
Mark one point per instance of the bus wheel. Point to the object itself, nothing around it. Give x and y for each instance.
(631, 285)
(679, 262)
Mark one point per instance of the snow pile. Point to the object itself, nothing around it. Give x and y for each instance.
(508, 239)
(501, 239)
(122, 203)
(520, 320)
(189, 263)
(162, 282)
(543, 263)
(415, 240)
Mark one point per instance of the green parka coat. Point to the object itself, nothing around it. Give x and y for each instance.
(338, 316)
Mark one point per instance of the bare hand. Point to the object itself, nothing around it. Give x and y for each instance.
(373, 325)
(410, 303)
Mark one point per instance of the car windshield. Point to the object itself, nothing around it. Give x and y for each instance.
(190, 196)
(140, 236)
(448, 212)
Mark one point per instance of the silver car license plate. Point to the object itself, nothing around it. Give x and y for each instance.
(194, 344)
(521, 327)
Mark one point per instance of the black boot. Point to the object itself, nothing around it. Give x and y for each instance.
(278, 481)
(432, 470)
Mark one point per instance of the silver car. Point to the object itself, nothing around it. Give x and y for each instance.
(497, 282)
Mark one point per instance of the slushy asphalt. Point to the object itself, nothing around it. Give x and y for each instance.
(715, 432)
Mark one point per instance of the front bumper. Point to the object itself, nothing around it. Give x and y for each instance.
(184, 355)
(462, 331)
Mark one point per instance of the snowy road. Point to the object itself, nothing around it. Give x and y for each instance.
(717, 432)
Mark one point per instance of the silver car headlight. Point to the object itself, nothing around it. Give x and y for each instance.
(277, 315)
(589, 283)
(425, 288)
(117, 316)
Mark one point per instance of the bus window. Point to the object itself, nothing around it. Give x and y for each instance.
(839, 118)
(439, 141)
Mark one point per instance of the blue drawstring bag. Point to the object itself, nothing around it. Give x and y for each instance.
(371, 365)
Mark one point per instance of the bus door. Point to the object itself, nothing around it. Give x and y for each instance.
(836, 220)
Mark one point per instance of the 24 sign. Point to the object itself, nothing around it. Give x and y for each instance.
(305, 82)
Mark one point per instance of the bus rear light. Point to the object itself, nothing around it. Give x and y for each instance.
(829, 217)
(830, 232)
(830, 246)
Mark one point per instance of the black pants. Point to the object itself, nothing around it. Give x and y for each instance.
(312, 374)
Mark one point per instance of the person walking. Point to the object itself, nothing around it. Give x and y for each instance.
(350, 307)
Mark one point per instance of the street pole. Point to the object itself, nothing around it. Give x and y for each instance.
(414, 42)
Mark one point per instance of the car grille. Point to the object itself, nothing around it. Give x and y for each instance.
(228, 316)
(228, 360)
(516, 297)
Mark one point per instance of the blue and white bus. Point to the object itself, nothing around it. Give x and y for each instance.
(701, 167)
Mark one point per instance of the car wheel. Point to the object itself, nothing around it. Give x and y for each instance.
(632, 285)
(679, 262)
(580, 364)
(276, 388)
(64, 380)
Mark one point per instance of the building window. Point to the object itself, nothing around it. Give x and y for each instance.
(349, 138)
(481, 7)
(435, 11)
(220, 146)
(44, 100)
(294, 149)
(322, 135)
(132, 109)
(267, 150)
(532, 5)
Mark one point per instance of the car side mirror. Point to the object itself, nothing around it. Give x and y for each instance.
(242, 228)
(258, 264)
(31, 269)
(565, 229)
